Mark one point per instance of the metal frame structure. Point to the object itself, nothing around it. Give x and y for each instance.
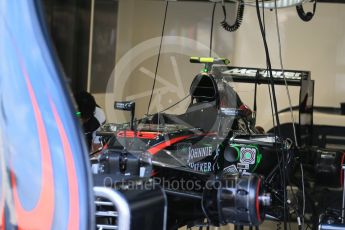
(120, 204)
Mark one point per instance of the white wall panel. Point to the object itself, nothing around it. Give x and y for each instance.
(318, 46)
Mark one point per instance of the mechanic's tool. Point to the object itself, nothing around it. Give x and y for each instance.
(209, 61)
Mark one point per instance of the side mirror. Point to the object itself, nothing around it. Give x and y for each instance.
(126, 106)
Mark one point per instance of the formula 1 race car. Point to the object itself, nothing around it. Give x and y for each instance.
(214, 148)
(207, 166)
(211, 162)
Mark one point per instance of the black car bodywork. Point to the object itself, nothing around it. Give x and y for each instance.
(211, 161)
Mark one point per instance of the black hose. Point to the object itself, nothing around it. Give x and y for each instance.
(238, 21)
(268, 60)
(212, 24)
(306, 16)
(158, 58)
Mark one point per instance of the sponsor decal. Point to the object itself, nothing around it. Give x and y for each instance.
(192, 154)
(275, 74)
(201, 166)
(247, 155)
(199, 153)
(195, 154)
(242, 167)
(230, 169)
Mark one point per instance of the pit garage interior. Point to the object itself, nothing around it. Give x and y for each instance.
(205, 114)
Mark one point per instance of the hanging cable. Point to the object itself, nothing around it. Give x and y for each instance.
(275, 107)
(263, 16)
(271, 101)
(303, 194)
(212, 25)
(267, 71)
(272, 112)
(173, 105)
(159, 54)
(271, 105)
(290, 104)
(283, 73)
(210, 54)
(280, 161)
(255, 91)
(269, 68)
(306, 16)
(239, 17)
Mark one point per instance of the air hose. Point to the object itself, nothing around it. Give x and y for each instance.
(306, 16)
(239, 18)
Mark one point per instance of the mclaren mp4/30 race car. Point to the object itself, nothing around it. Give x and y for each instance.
(212, 165)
